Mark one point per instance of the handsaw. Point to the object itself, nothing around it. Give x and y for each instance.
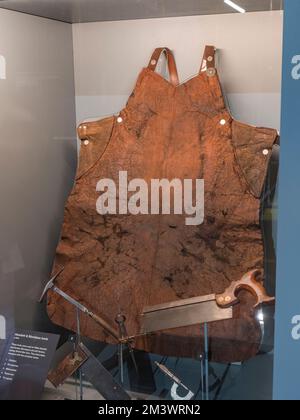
(204, 309)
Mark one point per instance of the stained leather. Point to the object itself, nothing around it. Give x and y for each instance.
(126, 262)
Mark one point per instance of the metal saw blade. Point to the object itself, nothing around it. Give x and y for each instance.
(183, 313)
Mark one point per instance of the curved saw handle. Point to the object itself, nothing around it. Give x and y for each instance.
(248, 282)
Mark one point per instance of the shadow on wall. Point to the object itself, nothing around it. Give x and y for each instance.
(37, 160)
(37, 183)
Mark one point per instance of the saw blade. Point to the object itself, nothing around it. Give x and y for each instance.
(183, 313)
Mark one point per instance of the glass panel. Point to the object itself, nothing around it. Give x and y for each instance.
(152, 123)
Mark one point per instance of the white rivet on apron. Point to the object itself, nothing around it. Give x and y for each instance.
(153, 62)
(223, 122)
(120, 120)
(210, 58)
(211, 72)
(86, 143)
(265, 152)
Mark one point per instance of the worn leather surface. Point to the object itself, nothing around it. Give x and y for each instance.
(125, 262)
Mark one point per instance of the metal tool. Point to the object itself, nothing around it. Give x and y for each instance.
(202, 377)
(51, 286)
(92, 371)
(68, 361)
(177, 383)
(206, 361)
(76, 344)
(203, 309)
(183, 313)
(123, 336)
(175, 396)
(95, 373)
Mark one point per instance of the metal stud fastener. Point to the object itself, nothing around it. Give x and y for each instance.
(210, 58)
(153, 62)
(211, 72)
(86, 143)
(120, 120)
(223, 122)
(265, 152)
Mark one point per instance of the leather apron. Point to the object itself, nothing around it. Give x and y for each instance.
(123, 263)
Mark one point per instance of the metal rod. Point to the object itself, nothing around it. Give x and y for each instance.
(202, 377)
(206, 361)
(76, 377)
(121, 363)
(78, 340)
(123, 335)
(81, 385)
(172, 376)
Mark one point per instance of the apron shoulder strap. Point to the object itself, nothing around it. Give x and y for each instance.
(209, 61)
(171, 63)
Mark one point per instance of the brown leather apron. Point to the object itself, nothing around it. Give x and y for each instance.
(126, 262)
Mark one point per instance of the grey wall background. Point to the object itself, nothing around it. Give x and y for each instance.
(37, 156)
(109, 56)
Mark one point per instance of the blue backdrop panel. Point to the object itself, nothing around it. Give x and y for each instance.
(287, 345)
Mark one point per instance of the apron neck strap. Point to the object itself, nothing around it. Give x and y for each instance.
(171, 63)
(209, 60)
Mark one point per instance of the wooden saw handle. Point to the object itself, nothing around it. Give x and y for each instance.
(250, 282)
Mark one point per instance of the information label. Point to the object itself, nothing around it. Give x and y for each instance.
(25, 364)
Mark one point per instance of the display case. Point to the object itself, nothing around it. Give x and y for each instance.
(140, 155)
